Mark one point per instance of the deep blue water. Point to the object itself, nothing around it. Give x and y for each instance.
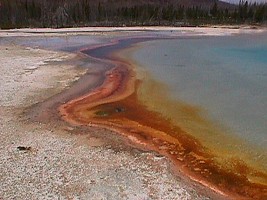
(225, 76)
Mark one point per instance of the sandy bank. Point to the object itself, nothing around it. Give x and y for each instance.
(93, 165)
(208, 31)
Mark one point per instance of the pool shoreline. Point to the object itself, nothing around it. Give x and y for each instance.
(119, 84)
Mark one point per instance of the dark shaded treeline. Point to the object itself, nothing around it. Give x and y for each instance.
(69, 13)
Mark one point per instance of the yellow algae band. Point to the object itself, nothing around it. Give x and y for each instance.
(138, 107)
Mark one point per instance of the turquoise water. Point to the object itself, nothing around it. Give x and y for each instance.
(225, 76)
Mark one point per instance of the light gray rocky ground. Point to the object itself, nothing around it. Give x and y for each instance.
(59, 165)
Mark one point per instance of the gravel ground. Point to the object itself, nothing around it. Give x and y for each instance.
(39, 161)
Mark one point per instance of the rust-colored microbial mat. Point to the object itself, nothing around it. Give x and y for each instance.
(115, 105)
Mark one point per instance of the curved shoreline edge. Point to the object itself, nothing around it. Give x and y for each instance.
(120, 83)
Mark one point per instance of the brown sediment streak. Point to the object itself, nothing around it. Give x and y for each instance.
(115, 106)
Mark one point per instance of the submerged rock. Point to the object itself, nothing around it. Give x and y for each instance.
(102, 113)
(119, 109)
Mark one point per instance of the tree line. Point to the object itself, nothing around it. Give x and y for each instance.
(70, 13)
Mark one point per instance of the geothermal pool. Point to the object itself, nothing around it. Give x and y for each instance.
(198, 100)
(215, 89)
(225, 78)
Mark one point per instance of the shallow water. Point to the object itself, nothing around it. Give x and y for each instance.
(225, 76)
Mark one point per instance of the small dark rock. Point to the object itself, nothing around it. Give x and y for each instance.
(21, 148)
